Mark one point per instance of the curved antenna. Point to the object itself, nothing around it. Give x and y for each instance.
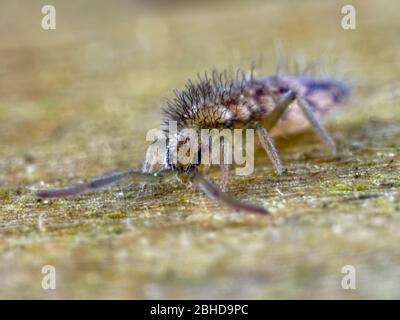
(97, 183)
(215, 193)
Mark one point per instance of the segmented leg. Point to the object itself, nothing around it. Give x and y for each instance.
(273, 118)
(282, 105)
(269, 123)
(225, 161)
(269, 147)
(315, 123)
(215, 193)
(225, 175)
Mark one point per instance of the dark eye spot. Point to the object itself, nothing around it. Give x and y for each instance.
(283, 89)
(259, 92)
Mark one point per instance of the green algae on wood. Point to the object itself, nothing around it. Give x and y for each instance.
(98, 92)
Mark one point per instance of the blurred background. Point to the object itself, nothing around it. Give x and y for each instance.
(78, 100)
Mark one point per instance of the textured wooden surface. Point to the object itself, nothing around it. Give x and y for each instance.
(78, 101)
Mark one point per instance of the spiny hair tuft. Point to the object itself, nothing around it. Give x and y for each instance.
(194, 103)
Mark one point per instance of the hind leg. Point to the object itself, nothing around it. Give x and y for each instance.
(273, 118)
(270, 122)
(269, 147)
(315, 123)
(280, 109)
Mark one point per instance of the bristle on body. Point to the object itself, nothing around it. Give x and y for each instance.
(221, 101)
